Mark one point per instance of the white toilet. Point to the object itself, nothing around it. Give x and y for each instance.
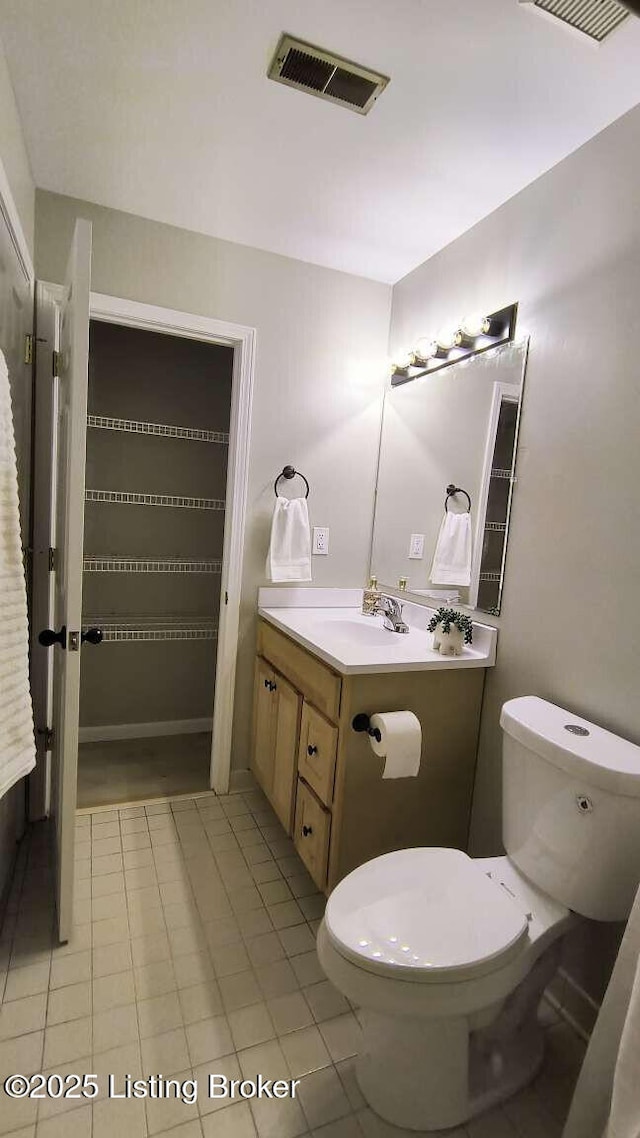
(448, 956)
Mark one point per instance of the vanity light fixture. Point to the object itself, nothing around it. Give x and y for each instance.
(476, 333)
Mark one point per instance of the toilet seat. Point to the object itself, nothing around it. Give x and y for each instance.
(428, 915)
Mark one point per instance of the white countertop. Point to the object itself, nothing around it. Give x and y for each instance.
(337, 632)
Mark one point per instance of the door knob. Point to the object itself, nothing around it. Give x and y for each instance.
(92, 635)
(48, 637)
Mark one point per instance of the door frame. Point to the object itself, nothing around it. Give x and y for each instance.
(242, 338)
(11, 216)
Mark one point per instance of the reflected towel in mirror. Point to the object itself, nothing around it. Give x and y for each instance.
(452, 558)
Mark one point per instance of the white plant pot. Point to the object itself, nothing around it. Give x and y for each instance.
(448, 643)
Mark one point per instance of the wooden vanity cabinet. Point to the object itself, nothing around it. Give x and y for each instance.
(324, 781)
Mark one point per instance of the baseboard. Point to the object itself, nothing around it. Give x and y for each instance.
(102, 734)
(573, 1004)
(240, 780)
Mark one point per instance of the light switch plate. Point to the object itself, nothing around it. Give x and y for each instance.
(416, 546)
(320, 540)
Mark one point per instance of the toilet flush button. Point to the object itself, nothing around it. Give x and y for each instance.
(575, 729)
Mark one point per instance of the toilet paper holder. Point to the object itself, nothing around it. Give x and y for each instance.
(362, 722)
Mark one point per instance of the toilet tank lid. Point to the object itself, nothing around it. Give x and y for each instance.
(590, 753)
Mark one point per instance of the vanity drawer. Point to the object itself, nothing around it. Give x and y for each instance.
(314, 679)
(311, 833)
(317, 753)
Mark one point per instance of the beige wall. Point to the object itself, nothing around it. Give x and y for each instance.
(13, 153)
(321, 346)
(568, 249)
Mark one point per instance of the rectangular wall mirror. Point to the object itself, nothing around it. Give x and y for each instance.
(455, 428)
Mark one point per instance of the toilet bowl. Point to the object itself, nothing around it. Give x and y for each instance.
(447, 956)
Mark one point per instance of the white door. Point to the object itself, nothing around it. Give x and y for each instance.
(67, 606)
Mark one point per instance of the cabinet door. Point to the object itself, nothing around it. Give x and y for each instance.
(287, 726)
(311, 833)
(264, 721)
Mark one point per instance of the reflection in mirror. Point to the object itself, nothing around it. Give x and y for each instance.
(445, 436)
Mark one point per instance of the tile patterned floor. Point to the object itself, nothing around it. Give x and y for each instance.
(194, 952)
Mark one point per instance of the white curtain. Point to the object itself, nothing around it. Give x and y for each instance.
(17, 747)
(606, 1103)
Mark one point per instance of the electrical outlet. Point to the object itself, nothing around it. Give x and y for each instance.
(416, 546)
(320, 539)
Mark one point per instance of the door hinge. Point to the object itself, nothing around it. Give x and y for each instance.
(48, 737)
(226, 597)
(55, 364)
(53, 559)
(28, 348)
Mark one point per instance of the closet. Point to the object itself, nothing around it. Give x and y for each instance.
(157, 442)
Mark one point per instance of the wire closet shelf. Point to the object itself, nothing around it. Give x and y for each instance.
(106, 564)
(163, 430)
(148, 628)
(124, 629)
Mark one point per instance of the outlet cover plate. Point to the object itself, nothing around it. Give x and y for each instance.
(416, 547)
(320, 540)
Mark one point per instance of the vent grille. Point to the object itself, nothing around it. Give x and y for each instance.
(596, 18)
(328, 76)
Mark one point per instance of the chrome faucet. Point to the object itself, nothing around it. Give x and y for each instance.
(391, 609)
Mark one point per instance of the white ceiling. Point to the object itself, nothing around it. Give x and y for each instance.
(163, 109)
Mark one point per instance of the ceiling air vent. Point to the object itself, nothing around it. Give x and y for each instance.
(596, 18)
(318, 72)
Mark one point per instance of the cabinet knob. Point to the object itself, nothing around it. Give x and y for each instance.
(273, 687)
(306, 830)
(312, 749)
(267, 683)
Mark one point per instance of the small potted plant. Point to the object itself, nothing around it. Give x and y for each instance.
(451, 629)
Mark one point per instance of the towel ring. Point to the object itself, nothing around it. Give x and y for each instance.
(451, 490)
(290, 472)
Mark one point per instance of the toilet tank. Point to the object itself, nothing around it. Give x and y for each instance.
(571, 807)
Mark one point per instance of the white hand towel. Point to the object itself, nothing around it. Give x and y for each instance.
(289, 557)
(452, 558)
(17, 745)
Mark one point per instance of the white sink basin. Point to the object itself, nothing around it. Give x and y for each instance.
(351, 642)
(354, 631)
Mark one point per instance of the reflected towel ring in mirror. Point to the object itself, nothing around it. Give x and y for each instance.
(451, 490)
(290, 472)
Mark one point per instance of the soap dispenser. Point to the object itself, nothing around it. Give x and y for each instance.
(370, 597)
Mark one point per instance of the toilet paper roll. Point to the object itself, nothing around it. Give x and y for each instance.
(400, 742)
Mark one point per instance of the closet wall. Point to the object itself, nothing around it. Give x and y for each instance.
(157, 442)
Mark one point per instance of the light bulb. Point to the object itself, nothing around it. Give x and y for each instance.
(446, 337)
(401, 361)
(473, 325)
(424, 349)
